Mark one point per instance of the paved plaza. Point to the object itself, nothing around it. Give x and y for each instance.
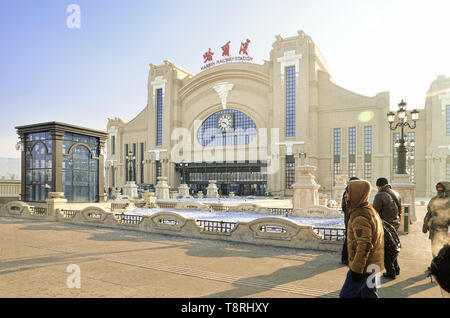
(118, 263)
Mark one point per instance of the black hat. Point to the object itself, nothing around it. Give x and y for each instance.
(440, 268)
(382, 182)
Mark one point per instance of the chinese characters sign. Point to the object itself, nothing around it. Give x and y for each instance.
(226, 57)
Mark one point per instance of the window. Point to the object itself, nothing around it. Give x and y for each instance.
(38, 166)
(113, 145)
(290, 101)
(368, 153)
(80, 168)
(411, 158)
(127, 174)
(336, 152)
(244, 131)
(351, 151)
(159, 116)
(448, 119)
(289, 172)
(133, 176)
(395, 137)
(142, 162)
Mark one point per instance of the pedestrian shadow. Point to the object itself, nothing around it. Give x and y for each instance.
(404, 289)
(254, 285)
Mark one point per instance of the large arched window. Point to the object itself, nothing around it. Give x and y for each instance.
(80, 169)
(38, 167)
(241, 132)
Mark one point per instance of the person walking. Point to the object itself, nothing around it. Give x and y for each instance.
(437, 219)
(365, 242)
(344, 254)
(387, 203)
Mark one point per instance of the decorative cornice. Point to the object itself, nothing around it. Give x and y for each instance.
(289, 59)
(158, 83)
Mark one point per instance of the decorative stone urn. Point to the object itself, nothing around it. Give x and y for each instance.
(306, 190)
(407, 190)
(149, 199)
(200, 195)
(212, 190)
(162, 189)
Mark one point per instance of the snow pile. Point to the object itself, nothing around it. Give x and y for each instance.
(242, 217)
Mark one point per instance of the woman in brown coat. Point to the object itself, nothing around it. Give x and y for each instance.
(365, 243)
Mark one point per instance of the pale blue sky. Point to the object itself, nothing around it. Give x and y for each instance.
(49, 72)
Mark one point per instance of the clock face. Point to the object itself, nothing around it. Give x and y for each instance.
(225, 122)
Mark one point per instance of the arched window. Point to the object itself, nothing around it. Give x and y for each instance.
(241, 131)
(38, 168)
(80, 175)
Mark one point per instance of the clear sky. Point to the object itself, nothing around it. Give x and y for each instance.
(49, 72)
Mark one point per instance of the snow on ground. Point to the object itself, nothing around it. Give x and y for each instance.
(221, 200)
(242, 217)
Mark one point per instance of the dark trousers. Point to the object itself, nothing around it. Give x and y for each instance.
(344, 255)
(352, 289)
(391, 266)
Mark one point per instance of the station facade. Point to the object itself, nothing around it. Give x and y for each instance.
(248, 126)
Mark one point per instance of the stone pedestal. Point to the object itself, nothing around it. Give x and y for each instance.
(306, 190)
(212, 190)
(162, 189)
(339, 187)
(130, 190)
(407, 191)
(183, 191)
(56, 201)
(117, 194)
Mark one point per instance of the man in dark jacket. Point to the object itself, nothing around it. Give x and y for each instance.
(344, 255)
(388, 205)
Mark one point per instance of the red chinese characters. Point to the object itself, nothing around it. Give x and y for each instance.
(244, 47)
(208, 56)
(226, 49)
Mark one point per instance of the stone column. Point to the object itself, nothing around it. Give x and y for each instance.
(162, 189)
(212, 190)
(339, 187)
(407, 190)
(56, 201)
(306, 190)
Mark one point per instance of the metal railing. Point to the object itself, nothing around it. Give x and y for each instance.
(166, 205)
(38, 211)
(281, 211)
(129, 218)
(69, 213)
(216, 226)
(330, 234)
(273, 229)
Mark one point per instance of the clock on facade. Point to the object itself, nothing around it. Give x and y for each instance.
(225, 122)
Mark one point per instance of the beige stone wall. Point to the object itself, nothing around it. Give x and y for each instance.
(259, 92)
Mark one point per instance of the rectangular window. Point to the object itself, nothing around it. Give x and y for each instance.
(352, 151)
(448, 120)
(411, 157)
(368, 153)
(159, 116)
(127, 177)
(290, 101)
(336, 152)
(289, 172)
(134, 163)
(142, 162)
(395, 138)
(113, 145)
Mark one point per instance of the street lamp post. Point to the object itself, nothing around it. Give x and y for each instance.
(130, 159)
(402, 122)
